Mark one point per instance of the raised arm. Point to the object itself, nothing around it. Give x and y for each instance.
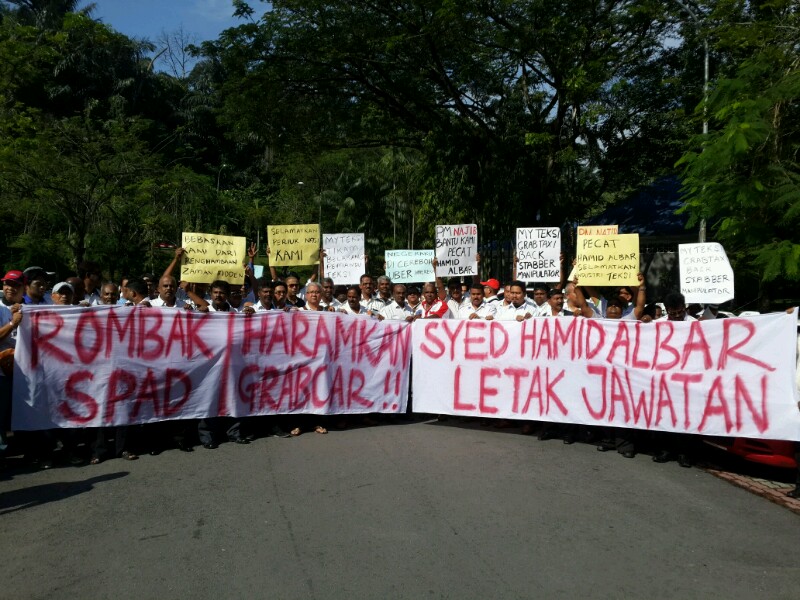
(179, 252)
(641, 297)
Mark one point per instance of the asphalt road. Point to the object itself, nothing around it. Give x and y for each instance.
(422, 510)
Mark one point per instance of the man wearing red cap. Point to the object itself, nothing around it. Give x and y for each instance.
(10, 318)
(490, 289)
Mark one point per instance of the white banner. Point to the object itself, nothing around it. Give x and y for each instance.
(725, 377)
(344, 257)
(456, 250)
(409, 266)
(539, 254)
(706, 274)
(100, 366)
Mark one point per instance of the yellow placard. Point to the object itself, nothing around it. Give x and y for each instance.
(208, 257)
(598, 230)
(607, 259)
(293, 245)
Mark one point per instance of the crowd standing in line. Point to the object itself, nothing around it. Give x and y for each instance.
(373, 298)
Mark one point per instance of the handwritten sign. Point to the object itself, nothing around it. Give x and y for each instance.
(598, 229)
(344, 257)
(409, 266)
(538, 254)
(706, 274)
(100, 366)
(456, 248)
(208, 257)
(726, 377)
(608, 259)
(293, 245)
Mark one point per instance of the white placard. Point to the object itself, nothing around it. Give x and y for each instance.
(456, 250)
(409, 266)
(706, 274)
(539, 254)
(344, 257)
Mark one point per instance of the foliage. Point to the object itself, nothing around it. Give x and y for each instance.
(744, 177)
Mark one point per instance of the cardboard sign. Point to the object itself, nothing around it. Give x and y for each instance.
(208, 257)
(726, 377)
(608, 259)
(538, 254)
(706, 274)
(293, 245)
(598, 229)
(344, 257)
(409, 266)
(456, 250)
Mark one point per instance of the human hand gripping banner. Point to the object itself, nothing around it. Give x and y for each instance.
(724, 377)
(103, 366)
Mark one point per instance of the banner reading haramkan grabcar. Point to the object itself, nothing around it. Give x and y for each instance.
(100, 366)
(727, 377)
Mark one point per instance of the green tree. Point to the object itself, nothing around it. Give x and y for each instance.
(744, 176)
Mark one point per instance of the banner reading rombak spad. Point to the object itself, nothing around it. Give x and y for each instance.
(727, 377)
(100, 366)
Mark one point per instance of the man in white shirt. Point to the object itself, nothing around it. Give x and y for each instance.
(219, 297)
(328, 299)
(397, 309)
(455, 297)
(354, 306)
(368, 300)
(518, 308)
(490, 289)
(477, 307)
(555, 305)
(264, 298)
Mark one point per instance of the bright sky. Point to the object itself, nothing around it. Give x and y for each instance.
(203, 19)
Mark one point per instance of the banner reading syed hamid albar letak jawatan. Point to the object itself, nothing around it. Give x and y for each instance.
(726, 377)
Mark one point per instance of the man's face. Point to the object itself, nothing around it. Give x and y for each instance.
(556, 301)
(279, 295)
(540, 297)
(313, 296)
(429, 293)
(13, 292)
(476, 297)
(265, 295)
(327, 291)
(166, 289)
(151, 287)
(36, 289)
(353, 300)
(488, 292)
(677, 313)
(399, 294)
(292, 286)
(659, 312)
(63, 297)
(237, 292)
(367, 287)
(413, 299)
(517, 295)
(109, 294)
(384, 287)
(219, 297)
(455, 292)
(613, 312)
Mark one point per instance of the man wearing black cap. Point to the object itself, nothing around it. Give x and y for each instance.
(37, 286)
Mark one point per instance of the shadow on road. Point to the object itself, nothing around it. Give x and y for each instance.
(50, 492)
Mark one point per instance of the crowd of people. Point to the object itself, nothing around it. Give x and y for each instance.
(376, 298)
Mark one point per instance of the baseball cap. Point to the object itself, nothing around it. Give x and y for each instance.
(32, 273)
(61, 285)
(492, 283)
(14, 277)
